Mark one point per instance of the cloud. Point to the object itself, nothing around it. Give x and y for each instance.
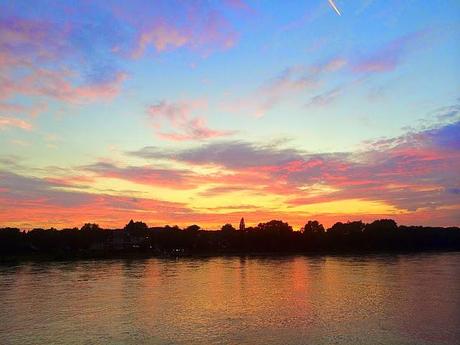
(161, 37)
(208, 33)
(31, 190)
(331, 65)
(447, 137)
(42, 57)
(448, 113)
(179, 116)
(79, 60)
(410, 172)
(455, 191)
(326, 98)
(409, 178)
(42, 202)
(28, 41)
(290, 82)
(169, 25)
(148, 175)
(176, 113)
(7, 122)
(57, 84)
(219, 190)
(32, 111)
(65, 91)
(391, 55)
(229, 154)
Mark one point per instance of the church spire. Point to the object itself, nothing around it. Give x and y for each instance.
(242, 225)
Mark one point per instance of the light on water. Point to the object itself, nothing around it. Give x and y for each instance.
(404, 299)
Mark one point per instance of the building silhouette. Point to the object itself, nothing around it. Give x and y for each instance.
(242, 225)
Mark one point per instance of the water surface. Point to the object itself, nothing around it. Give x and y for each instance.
(396, 299)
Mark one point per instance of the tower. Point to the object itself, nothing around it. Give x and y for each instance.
(242, 225)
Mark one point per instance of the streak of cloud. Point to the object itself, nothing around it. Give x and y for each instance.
(334, 6)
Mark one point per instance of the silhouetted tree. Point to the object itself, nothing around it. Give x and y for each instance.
(11, 240)
(381, 226)
(136, 228)
(347, 228)
(313, 227)
(193, 228)
(174, 227)
(90, 227)
(228, 227)
(275, 226)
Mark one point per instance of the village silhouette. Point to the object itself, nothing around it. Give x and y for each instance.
(273, 237)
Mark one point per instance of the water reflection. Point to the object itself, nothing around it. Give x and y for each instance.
(402, 299)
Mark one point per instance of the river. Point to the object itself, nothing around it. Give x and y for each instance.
(375, 299)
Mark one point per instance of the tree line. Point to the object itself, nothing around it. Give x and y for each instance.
(274, 236)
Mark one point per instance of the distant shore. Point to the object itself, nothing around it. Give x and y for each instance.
(39, 257)
(137, 240)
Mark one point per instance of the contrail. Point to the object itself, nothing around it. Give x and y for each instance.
(331, 2)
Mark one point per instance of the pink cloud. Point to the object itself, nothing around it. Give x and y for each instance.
(6, 122)
(32, 111)
(195, 129)
(390, 56)
(329, 66)
(24, 42)
(92, 92)
(291, 82)
(34, 61)
(194, 25)
(57, 84)
(161, 37)
(179, 116)
(175, 112)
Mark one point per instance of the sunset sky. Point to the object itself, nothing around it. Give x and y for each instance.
(182, 112)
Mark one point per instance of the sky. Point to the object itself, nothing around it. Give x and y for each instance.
(182, 112)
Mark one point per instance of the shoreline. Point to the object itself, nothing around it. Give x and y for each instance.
(198, 256)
